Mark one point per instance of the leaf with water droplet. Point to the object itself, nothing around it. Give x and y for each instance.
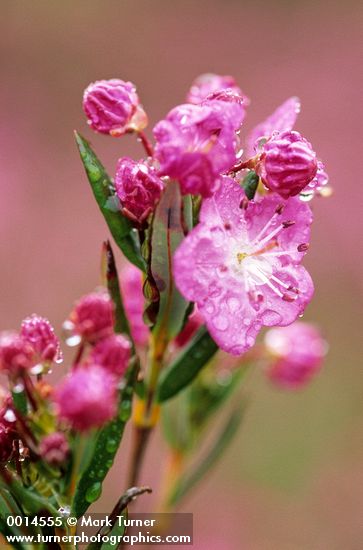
(250, 183)
(107, 443)
(104, 192)
(187, 365)
(93, 492)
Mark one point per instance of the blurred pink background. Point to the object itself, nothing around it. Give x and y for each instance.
(294, 477)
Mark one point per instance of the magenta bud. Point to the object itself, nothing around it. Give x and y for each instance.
(54, 448)
(296, 353)
(87, 398)
(113, 107)
(138, 188)
(16, 354)
(112, 353)
(92, 317)
(40, 334)
(287, 164)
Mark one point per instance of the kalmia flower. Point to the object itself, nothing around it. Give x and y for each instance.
(16, 354)
(92, 317)
(208, 83)
(281, 120)
(112, 353)
(287, 164)
(138, 188)
(318, 185)
(240, 265)
(113, 107)
(133, 298)
(196, 143)
(54, 448)
(297, 353)
(87, 398)
(40, 334)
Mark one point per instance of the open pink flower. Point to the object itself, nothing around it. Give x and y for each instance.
(138, 188)
(40, 334)
(133, 298)
(206, 84)
(196, 143)
(87, 398)
(283, 118)
(241, 265)
(297, 353)
(113, 107)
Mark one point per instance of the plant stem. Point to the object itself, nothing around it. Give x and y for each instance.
(146, 143)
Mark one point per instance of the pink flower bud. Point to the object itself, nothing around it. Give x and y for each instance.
(54, 448)
(131, 288)
(92, 317)
(138, 188)
(112, 353)
(194, 322)
(40, 334)
(113, 107)
(287, 164)
(297, 353)
(87, 398)
(207, 84)
(16, 354)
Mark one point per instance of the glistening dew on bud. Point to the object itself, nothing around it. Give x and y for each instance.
(16, 354)
(287, 164)
(40, 334)
(113, 107)
(92, 317)
(112, 353)
(138, 188)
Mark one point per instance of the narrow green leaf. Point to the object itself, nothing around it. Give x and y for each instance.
(187, 365)
(20, 401)
(168, 232)
(107, 443)
(112, 281)
(250, 183)
(221, 443)
(103, 189)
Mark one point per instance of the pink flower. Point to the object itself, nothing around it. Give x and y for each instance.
(282, 119)
(194, 322)
(287, 164)
(241, 265)
(297, 354)
(209, 83)
(113, 107)
(40, 334)
(138, 188)
(92, 317)
(16, 354)
(196, 143)
(133, 298)
(54, 448)
(87, 398)
(112, 353)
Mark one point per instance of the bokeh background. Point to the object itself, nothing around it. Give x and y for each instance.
(293, 479)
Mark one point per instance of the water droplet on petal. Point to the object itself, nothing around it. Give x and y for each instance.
(220, 322)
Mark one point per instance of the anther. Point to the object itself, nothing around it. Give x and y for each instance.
(280, 208)
(244, 203)
(287, 297)
(303, 247)
(227, 225)
(288, 223)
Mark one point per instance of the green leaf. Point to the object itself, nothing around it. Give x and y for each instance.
(89, 487)
(103, 189)
(220, 444)
(187, 365)
(250, 183)
(167, 234)
(20, 401)
(112, 281)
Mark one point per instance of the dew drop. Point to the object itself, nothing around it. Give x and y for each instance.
(221, 322)
(18, 388)
(233, 304)
(93, 492)
(111, 445)
(9, 416)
